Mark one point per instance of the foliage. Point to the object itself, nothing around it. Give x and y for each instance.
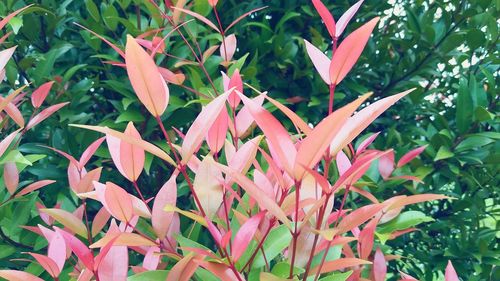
(100, 92)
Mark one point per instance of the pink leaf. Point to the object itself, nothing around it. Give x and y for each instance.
(326, 16)
(91, 149)
(242, 17)
(81, 251)
(5, 56)
(343, 163)
(214, 231)
(386, 165)
(237, 83)
(5, 20)
(34, 186)
(362, 119)
(15, 275)
(358, 217)
(48, 264)
(213, 3)
(85, 183)
(201, 125)
(118, 202)
(11, 177)
(410, 155)
(145, 78)
(183, 270)
(14, 113)
(349, 51)
(128, 158)
(315, 144)
(40, 94)
(228, 48)
(346, 17)
(160, 219)
(100, 220)
(245, 235)
(450, 274)
(222, 271)
(217, 133)
(277, 136)
(171, 77)
(338, 264)
(362, 146)
(296, 120)
(5, 143)
(68, 220)
(199, 17)
(57, 250)
(379, 266)
(244, 118)
(44, 114)
(320, 61)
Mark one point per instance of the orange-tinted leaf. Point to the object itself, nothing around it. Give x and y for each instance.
(11, 177)
(100, 220)
(296, 120)
(315, 144)
(320, 61)
(131, 156)
(362, 119)
(414, 199)
(326, 16)
(183, 269)
(5, 101)
(141, 143)
(86, 182)
(118, 202)
(358, 217)
(221, 271)
(349, 51)
(16, 275)
(145, 78)
(44, 114)
(67, 219)
(40, 94)
(123, 239)
(14, 113)
(174, 78)
(338, 264)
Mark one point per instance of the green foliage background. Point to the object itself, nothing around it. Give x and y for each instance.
(448, 50)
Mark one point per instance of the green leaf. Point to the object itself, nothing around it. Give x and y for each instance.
(92, 9)
(282, 269)
(278, 239)
(17, 157)
(443, 153)
(463, 110)
(16, 23)
(473, 142)
(403, 221)
(337, 276)
(149, 276)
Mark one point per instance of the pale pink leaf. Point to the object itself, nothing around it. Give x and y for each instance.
(81, 250)
(217, 133)
(5, 143)
(5, 56)
(343, 163)
(450, 274)
(48, 264)
(320, 61)
(346, 17)
(160, 219)
(386, 165)
(244, 118)
(379, 268)
(34, 186)
(208, 187)
(237, 83)
(57, 250)
(363, 145)
(91, 149)
(245, 235)
(11, 177)
(228, 48)
(100, 220)
(199, 17)
(16, 275)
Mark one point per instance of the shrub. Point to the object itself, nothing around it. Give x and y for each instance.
(268, 207)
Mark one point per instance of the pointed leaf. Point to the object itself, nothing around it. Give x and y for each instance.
(358, 217)
(227, 48)
(5, 143)
(123, 239)
(34, 186)
(91, 149)
(326, 16)
(5, 56)
(217, 133)
(16, 275)
(410, 155)
(199, 17)
(320, 61)
(44, 114)
(349, 51)
(118, 202)
(48, 264)
(450, 273)
(207, 185)
(379, 268)
(338, 264)
(39, 95)
(67, 219)
(160, 219)
(245, 235)
(346, 17)
(145, 78)
(11, 177)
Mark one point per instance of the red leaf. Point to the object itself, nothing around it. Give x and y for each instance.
(326, 16)
(410, 155)
(236, 83)
(245, 235)
(145, 78)
(349, 51)
(40, 94)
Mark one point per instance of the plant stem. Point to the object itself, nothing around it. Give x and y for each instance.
(141, 196)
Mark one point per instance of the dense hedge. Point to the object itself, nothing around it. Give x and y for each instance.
(448, 50)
